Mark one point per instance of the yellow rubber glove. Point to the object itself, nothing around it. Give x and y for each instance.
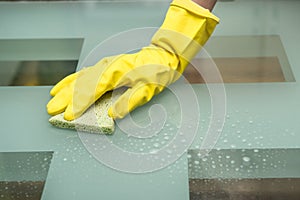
(185, 30)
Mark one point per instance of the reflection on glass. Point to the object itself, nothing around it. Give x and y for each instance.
(23, 174)
(31, 73)
(244, 174)
(250, 59)
(245, 189)
(37, 61)
(238, 70)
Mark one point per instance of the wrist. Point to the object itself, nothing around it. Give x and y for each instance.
(207, 4)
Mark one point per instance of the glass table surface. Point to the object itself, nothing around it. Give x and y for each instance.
(246, 75)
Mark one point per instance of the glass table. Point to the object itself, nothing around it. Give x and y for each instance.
(250, 151)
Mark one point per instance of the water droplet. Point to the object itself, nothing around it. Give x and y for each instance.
(204, 159)
(153, 151)
(225, 141)
(246, 159)
(65, 159)
(233, 125)
(196, 162)
(156, 144)
(256, 150)
(244, 140)
(238, 131)
(213, 166)
(232, 162)
(166, 137)
(189, 155)
(227, 157)
(183, 140)
(250, 122)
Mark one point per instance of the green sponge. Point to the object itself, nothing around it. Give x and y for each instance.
(94, 120)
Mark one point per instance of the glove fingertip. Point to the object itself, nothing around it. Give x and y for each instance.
(52, 108)
(53, 91)
(69, 116)
(113, 114)
(110, 113)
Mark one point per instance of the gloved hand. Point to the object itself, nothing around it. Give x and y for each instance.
(186, 28)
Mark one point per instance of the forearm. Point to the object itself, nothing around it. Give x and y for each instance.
(208, 4)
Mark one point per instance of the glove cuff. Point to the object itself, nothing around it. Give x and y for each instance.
(186, 28)
(194, 8)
